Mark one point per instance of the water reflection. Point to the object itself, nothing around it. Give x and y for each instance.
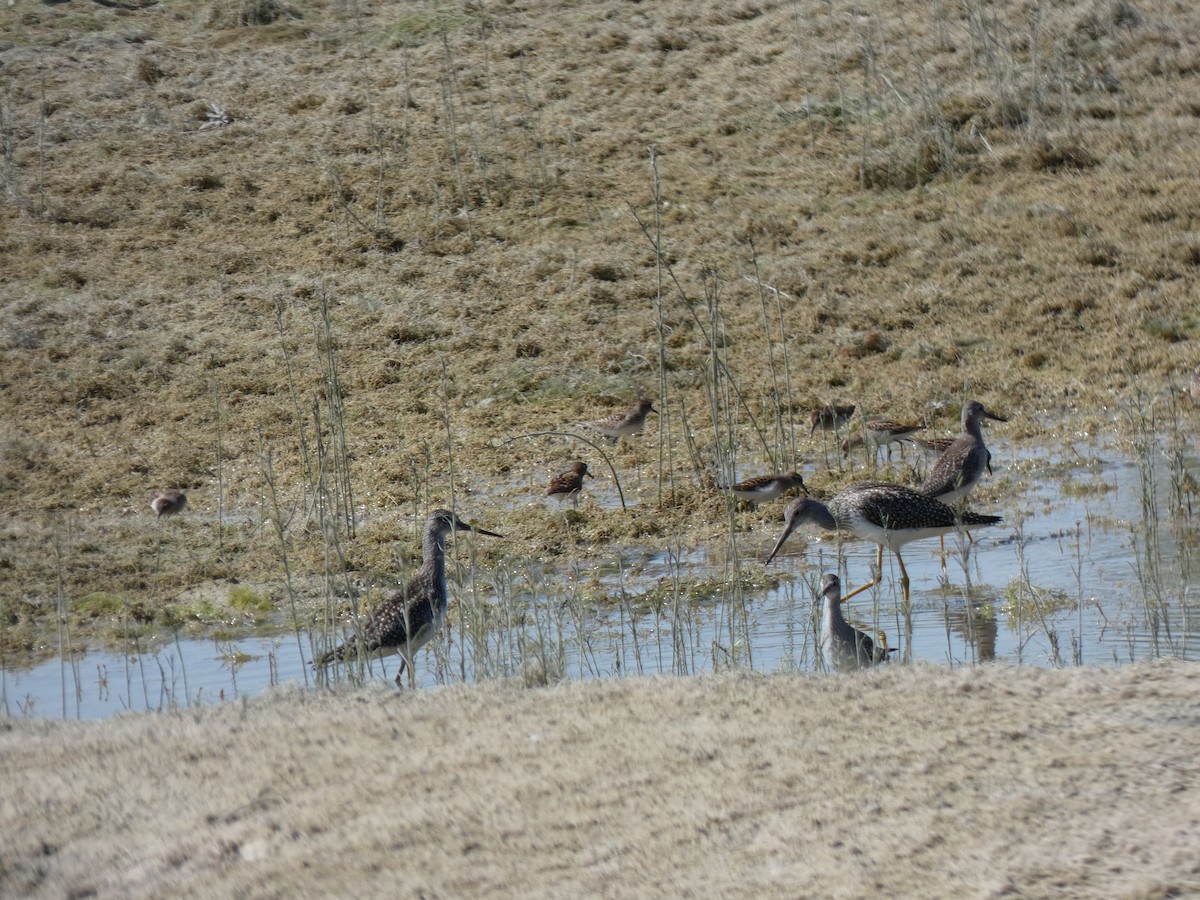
(1075, 575)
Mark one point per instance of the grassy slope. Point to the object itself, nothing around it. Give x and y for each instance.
(977, 200)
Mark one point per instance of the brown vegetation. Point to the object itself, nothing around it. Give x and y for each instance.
(246, 246)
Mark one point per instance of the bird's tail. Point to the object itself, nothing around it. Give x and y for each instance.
(970, 519)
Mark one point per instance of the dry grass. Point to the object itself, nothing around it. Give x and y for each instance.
(912, 782)
(977, 197)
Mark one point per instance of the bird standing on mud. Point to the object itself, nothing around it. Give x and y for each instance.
(406, 620)
(619, 425)
(568, 484)
(766, 487)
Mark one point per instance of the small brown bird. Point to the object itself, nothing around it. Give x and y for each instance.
(167, 502)
(568, 484)
(619, 425)
(766, 487)
(406, 620)
(879, 433)
(829, 418)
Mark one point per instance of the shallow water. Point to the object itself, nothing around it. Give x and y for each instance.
(1076, 574)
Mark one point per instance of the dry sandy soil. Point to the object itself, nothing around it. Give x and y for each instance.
(915, 781)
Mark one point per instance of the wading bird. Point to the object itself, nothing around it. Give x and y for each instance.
(889, 515)
(619, 425)
(567, 485)
(844, 647)
(766, 487)
(406, 620)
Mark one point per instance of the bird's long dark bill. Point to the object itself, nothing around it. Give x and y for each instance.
(478, 530)
(779, 543)
(992, 415)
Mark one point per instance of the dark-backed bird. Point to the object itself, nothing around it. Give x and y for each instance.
(766, 487)
(567, 485)
(406, 620)
(889, 515)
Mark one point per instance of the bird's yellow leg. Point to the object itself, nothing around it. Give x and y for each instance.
(869, 584)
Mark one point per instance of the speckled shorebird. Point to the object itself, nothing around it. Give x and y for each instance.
(829, 417)
(889, 515)
(940, 445)
(879, 433)
(766, 487)
(167, 502)
(567, 485)
(960, 467)
(406, 620)
(619, 425)
(844, 647)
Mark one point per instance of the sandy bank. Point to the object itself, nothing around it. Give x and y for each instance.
(915, 781)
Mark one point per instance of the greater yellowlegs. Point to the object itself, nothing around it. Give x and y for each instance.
(939, 445)
(962, 464)
(407, 619)
(889, 515)
(567, 485)
(619, 425)
(879, 433)
(829, 417)
(844, 647)
(766, 487)
(167, 502)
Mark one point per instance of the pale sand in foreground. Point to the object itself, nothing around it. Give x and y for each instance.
(915, 781)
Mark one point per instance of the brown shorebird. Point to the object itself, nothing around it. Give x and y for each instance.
(829, 417)
(619, 425)
(167, 502)
(960, 467)
(568, 484)
(844, 647)
(889, 515)
(879, 433)
(766, 487)
(406, 620)
(939, 445)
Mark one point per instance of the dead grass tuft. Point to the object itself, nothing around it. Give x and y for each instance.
(1057, 155)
